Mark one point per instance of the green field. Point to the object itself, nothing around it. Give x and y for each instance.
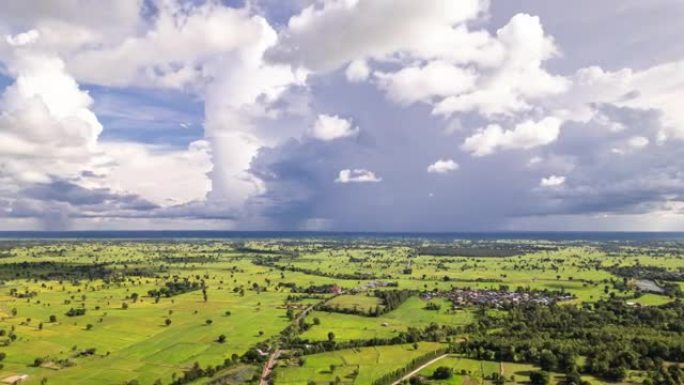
(224, 306)
(353, 366)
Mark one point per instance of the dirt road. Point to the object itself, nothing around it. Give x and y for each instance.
(273, 358)
(418, 369)
(268, 367)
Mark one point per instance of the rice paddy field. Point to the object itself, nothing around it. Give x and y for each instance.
(298, 311)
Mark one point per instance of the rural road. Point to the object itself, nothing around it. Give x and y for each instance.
(418, 369)
(273, 358)
(303, 314)
(268, 367)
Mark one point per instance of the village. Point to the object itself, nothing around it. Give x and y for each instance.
(460, 297)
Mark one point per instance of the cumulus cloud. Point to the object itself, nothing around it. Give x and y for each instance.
(46, 125)
(161, 175)
(518, 80)
(432, 66)
(172, 53)
(654, 88)
(442, 166)
(428, 29)
(357, 175)
(208, 49)
(552, 181)
(434, 80)
(23, 38)
(525, 135)
(357, 71)
(331, 127)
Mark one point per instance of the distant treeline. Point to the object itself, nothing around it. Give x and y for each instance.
(476, 251)
(186, 259)
(647, 272)
(51, 270)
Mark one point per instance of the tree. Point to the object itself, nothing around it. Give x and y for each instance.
(443, 373)
(573, 378)
(209, 322)
(167, 321)
(221, 339)
(539, 378)
(616, 374)
(53, 318)
(498, 379)
(331, 336)
(548, 360)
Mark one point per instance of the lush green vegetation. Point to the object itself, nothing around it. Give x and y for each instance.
(340, 311)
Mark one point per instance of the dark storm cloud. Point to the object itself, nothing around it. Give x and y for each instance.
(607, 166)
(75, 195)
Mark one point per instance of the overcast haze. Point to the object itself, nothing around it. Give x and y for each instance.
(358, 115)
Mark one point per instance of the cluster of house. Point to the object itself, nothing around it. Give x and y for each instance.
(497, 298)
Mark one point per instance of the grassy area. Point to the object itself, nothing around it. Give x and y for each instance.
(411, 313)
(353, 366)
(651, 300)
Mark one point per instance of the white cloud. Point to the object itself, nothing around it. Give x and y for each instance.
(173, 52)
(357, 71)
(358, 175)
(333, 127)
(631, 144)
(46, 126)
(534, 160)
(637, 142)
(552, 181)
(427, 29)
(655, 88)
(525, 135)
(211, 50)
(160, 175)
(23, 38)
(442, 166)
(441, 62)
(518, 80)
(434, 80)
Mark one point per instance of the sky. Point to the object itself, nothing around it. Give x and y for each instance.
(342, 115)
